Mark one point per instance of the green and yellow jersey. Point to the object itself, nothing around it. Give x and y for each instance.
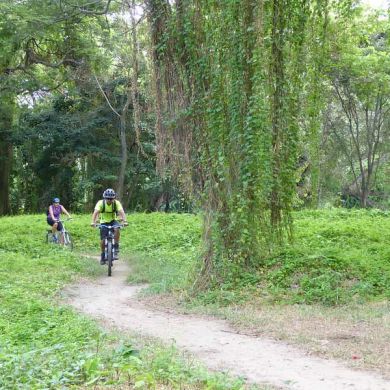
(108, 213)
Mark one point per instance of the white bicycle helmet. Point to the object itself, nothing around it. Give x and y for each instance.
(109, 193)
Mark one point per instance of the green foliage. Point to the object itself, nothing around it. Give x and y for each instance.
(69, 149)
(242, 68)
(164, 247)
(44, 344)
(66, 137)
(356, 129)
(338, 256)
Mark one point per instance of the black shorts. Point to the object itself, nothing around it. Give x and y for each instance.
(51, 222)
(104, 231)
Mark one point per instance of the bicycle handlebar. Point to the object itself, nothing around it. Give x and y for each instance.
(103, 225)
(64, 220)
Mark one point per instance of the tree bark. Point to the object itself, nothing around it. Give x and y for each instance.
(277, 82)
(124, 154)
(134, 80)
(5, 171)
(6, 153)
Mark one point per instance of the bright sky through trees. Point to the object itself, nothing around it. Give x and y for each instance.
(379, 4)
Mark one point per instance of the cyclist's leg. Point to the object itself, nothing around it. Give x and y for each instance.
(117, 238)
(53, 225)
(103, 235)
(60, 230)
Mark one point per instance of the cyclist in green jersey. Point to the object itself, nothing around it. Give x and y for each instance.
(108, 209)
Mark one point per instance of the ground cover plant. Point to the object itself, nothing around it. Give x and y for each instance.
(327, 292)
(337, 256)
(164, 247)
(44, 344)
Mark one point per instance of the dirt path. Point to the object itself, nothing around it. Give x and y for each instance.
(214, 342)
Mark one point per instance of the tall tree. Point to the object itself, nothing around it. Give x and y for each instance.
(36, 49)
(359, 118)
(240, 67)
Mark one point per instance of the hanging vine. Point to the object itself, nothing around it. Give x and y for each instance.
(240, 68)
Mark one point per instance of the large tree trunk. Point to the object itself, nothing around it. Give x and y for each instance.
(5, 171)
(122, 137)
(277, 79)
(6, 153)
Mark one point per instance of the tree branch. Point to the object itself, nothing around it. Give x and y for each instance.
(105, 96)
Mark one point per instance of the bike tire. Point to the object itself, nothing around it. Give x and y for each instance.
(109, 257)
(50, 238)
(68, 242)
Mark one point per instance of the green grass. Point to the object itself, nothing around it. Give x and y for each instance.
(44, 344)
(165, 249)
(338, 256)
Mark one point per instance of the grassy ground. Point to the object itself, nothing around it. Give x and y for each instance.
(328, 292)
(47, 345)
(338, 257)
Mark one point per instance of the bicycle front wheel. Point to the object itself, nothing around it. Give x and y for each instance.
(109, 257)
(68, 242)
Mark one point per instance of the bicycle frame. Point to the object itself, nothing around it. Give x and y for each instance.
(109, 242)
(62, 237)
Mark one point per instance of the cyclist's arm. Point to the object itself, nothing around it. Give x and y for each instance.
(65, 211)
(95, 216)
(122, 215)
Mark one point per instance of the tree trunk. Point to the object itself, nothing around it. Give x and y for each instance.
(6, 154)
(5, 171)
(277, 80)
(124, 157)
(134, 81)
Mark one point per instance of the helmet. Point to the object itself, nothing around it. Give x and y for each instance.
(56, 200)
(109, 193)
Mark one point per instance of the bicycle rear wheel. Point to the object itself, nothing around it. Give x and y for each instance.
(109, 257)
(68, 243)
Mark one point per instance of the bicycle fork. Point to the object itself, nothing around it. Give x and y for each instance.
(108, 247)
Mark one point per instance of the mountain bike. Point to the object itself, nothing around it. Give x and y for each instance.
(109, 242)
(61, 238)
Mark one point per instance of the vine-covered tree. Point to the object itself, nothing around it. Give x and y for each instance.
(240, 65)
(224, 100)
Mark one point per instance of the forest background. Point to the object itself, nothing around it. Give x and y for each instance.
(245, 110)
(261, 128)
